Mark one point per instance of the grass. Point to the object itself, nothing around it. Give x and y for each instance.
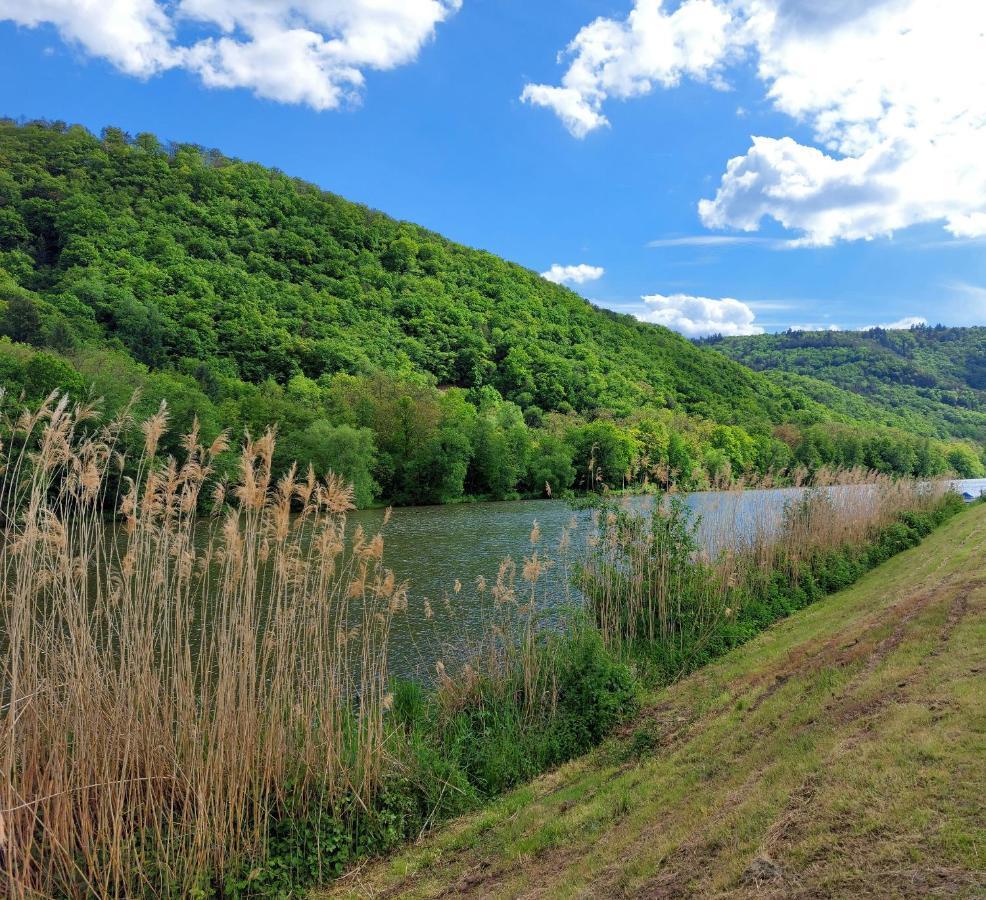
(837, 754)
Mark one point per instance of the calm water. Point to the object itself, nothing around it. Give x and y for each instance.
(434, 546)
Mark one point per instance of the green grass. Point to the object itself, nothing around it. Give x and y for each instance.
(837, 754)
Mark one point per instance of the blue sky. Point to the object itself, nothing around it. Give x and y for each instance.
(443, 138)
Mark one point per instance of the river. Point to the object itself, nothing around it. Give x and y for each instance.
(433, 547)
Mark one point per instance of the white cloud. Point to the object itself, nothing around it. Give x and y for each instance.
(292, 51)
(699, 316)
(570, 105)
(134, 35)
(715, 240)
(894, 91)
(579, 274)
(972, 292)
(900, 324)
(622, 59)
(814, 326)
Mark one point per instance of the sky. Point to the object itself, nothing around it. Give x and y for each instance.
(716, 166)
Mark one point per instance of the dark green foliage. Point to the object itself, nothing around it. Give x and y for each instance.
(21, 319)
(303, 849)
(451, 761)
(500, 736)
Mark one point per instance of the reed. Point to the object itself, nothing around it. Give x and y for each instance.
(660, 583)
(172, 686)
(193, 705)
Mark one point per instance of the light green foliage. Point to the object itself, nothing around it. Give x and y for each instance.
(930, 380)
(347, 451)
(550, 468)
(604, 454)
(965, 462)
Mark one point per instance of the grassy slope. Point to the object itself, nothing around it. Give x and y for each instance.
(838, 754)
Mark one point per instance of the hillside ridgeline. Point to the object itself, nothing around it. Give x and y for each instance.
(930, 379)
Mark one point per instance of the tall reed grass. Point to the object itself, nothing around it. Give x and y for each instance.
(659, 583)
(171, 687)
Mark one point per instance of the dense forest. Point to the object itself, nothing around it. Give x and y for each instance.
(931, 379)
(422, 370)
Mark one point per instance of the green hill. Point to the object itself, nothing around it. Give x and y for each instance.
(929, 379)
(420, 369)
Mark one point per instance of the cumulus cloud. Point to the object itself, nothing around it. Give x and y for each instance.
(893, 90)
(699, 316)
(134, 35)
(626, 58)
(291, 51)
(579, 274)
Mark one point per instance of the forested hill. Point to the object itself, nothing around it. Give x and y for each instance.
(186, 255)
(421, 369)
(936, 376)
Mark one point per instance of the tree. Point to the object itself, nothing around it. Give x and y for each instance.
(604, 454)
(347, 451)
(549, 469)
(46, 373)
(21, 319)
(400, 255)
(501, 446)
(964, 461)
(680, 458)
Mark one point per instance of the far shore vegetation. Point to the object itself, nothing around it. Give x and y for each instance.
(420, 370)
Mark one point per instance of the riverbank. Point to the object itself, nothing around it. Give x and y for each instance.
(838, 753)
(432, 547)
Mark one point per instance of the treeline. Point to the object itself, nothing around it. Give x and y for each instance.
(406, 441)
(934, 377)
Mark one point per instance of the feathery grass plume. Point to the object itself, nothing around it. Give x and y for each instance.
(661, 581)
(173, 686)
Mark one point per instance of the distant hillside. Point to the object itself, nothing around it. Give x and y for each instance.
(420, 369)
(934, 378)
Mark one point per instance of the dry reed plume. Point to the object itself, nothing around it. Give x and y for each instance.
(170, 685)
(173, 685)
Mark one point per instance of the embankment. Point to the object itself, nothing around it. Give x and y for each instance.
(837, 754)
